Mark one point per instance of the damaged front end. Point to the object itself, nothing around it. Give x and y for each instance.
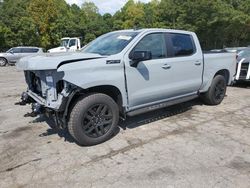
(48, 94)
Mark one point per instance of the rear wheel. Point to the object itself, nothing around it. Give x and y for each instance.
(3, 62)
(216, 92)
(93, 119)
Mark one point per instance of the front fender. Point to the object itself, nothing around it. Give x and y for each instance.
(90, 74)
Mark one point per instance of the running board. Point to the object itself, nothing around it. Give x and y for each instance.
(161, 105)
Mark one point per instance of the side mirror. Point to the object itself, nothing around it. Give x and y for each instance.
(138, 56)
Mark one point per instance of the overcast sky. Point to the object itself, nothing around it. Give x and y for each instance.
(105, 6)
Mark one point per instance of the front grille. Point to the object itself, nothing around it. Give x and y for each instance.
(244, 70)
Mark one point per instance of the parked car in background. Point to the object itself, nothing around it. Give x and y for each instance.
(244, 54)
(14, 54)
(235, 49)
(243, 65)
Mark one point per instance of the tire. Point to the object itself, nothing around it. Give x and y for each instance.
(216, 92)
(93, 119)
(3, 62)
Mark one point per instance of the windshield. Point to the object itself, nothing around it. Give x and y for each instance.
(110, 44)
(64, 43)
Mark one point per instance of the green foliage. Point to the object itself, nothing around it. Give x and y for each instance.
(42, 23)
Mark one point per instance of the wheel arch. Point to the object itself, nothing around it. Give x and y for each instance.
(225, 73)
(109, 90)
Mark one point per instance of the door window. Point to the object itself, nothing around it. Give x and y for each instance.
(155, 43)
(180, 45)
(72, 42)
(29, 50)
(16, 50)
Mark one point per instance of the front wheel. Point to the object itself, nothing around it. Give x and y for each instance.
(216, 92)
(3, 62)
(93, 119)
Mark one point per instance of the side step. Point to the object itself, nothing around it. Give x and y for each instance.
(161, 105)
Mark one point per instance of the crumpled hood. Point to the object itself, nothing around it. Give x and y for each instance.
(49, 61)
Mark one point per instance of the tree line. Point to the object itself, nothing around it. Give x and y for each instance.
(218, 23)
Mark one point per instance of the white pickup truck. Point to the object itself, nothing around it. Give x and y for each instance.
(67, 45)
(124, 73)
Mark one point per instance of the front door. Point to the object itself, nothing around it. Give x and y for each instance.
(15, 55)
(72, 45)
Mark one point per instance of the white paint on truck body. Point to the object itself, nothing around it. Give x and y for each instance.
(151, 81)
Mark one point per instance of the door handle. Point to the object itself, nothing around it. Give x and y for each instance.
(197, 63)
(166, 66)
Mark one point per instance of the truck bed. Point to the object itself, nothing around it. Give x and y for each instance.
(214, 61)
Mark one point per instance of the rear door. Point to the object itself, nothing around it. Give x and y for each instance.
(29, 51)
(186, 62)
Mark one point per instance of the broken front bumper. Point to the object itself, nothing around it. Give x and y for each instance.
(40, 106)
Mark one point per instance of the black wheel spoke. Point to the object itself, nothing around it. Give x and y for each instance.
(99, 109)
(97, 120)
(102, 129)
(104, 110)
(98, 132)
(88, 125)
(107, 116)
(90, 130)
(107, 121)
(88, 117)
(92, 112)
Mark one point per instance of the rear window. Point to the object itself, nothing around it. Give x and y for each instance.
(30, 50)
(181, 44)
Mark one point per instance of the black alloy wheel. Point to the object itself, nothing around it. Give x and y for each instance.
(97, 120)
(216, 92)
(93, 119)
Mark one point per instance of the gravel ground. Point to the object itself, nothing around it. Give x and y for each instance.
(188, 145)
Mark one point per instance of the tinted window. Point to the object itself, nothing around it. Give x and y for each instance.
(29, 50)
(16, 50)
(182, 44)
(64, 42)
(155, 43)
(72, 42)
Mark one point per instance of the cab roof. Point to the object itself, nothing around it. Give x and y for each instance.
(156, 30)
